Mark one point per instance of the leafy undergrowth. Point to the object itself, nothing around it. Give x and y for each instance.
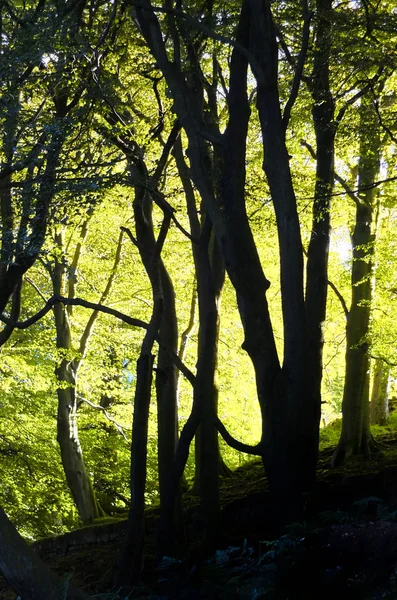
(346, 546)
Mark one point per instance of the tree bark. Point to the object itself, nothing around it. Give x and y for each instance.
(380, 393)
(76, 473)
(130, 564)
(356, 437)
(210, 274)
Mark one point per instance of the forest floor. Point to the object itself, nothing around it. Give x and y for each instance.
(347, 544)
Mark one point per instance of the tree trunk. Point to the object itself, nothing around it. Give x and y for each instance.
(129, 569)
(76, 473)
(167, 410)
(26, 573)
(356, 437)
(210, 275)
(289, 432)
(380, 393)
(318, 250)
(281, 394)
(210, 270)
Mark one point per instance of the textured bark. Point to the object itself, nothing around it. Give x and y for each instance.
(380, 393)
(356, 437)
(26, 573)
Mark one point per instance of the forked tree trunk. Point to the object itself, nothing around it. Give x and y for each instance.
(26, 573)
(76, 473)
(356, 436)
(380, 393)
(281, 393)
(210, 275)
(77, 476)
(129, 569)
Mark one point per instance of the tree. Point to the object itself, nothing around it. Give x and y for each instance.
(356, 436)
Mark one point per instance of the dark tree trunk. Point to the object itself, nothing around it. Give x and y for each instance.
(356, 437)
(281, 393)
(380, 393)
(317, 255)
(131, 559)
(288, 428)
(210, 275)
(167, 409)
(26, 573)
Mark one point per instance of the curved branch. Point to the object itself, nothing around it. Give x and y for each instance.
(119, 427)
(307, 17)
(340, 297)
(15, 311)
(233, 443)
(109, 311)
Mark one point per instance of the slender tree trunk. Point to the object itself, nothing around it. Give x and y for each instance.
(167, 409)
(130, 564)
(76, 473)
(356, 437)
(317, 255)
(380, 393)
(26, 573)
(129, 569)
(215, 273)
(210, 274)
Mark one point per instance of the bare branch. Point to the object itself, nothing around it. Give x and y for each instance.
(307, 16)
(233, 443)
(130, 235)
(383, 124)
(351, 193)
(339, 296)
(386, 360)
(348, 190)
(109, 311)
(119, 427)
(200, 26)
(358, 95)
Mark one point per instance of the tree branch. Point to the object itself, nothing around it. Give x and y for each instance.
(119, 427)
(233, 443)
(351, 193)
(386, 360)
(307, 16)
(339, 296)
(109, 311)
